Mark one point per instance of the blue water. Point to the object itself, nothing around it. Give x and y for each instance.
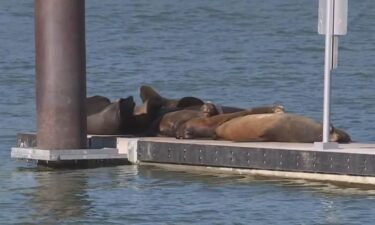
(234, 52)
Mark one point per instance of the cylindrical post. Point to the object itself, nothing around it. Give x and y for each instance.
(327, 70)
(60, 74)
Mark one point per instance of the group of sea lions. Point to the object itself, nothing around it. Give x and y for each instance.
(192, 118)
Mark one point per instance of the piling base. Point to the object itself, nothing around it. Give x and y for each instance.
(326, 145)
(103, 151)
(71, 158)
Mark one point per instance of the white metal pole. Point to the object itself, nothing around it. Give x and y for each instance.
(327, 70)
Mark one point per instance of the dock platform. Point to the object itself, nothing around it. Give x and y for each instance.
(353, 162)
(102, 151)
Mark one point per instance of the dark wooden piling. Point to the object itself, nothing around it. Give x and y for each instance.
(60, 74)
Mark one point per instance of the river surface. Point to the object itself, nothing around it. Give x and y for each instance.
(233, 52)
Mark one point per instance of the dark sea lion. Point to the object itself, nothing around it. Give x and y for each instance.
(147, 92)
(279, 127)
(340, 136)
(144, 115)
(96, 104)
(113, 119)
(205, 127)
(171, 121)
(186, 102)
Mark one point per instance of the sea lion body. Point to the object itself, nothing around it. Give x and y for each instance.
(96, 104)
(113, 119)
(278, 127)
(171, 121)
(144, 116)
(205, 127)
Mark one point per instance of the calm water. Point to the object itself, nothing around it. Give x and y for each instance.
(235, 52)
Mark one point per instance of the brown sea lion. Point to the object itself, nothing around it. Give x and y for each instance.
(96, 104)
(205, 127)
(147, 92)
(279, 127)
(170, 122)
(113, 119)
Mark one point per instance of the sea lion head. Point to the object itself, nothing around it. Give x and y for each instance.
(338, 135)
(209, 109)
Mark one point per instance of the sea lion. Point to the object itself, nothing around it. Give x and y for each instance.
(144, 115)
(171, 121)
(279, 127)
(95, 104)
(205, 127)
(147, 92)
(113, 119)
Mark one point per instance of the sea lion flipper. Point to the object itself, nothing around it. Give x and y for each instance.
(147, 92)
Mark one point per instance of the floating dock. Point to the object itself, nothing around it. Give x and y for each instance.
(349, 163)
(102, 151)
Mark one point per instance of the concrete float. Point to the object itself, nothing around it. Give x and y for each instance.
(353, 163)
(102, 151)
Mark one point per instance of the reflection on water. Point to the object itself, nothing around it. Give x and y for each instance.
(59, 196)
(154, 195)
(321, 187)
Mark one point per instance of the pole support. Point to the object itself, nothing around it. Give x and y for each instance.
(327, 71)
(60, 74)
